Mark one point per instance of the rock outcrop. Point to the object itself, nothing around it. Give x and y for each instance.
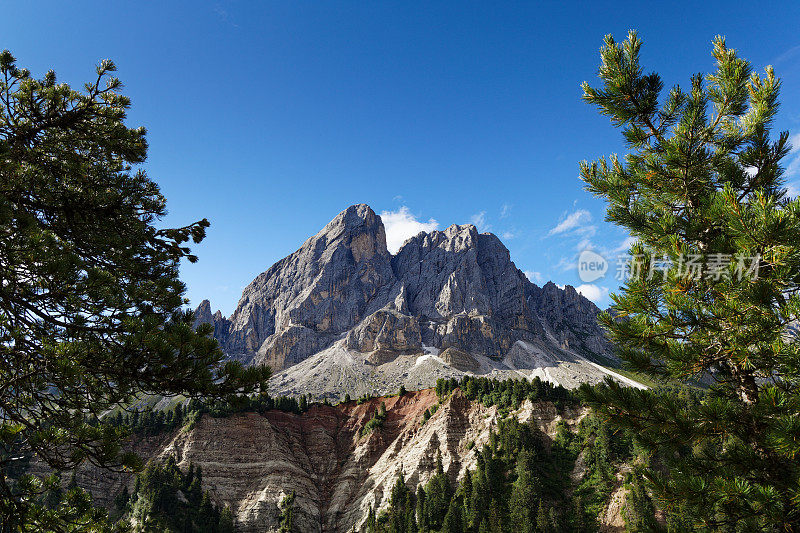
(387, 332)
(460, 360)
(455, 288)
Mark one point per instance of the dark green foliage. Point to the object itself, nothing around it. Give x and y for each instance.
(167, 499)
(401, 516)
(639, 509)
(287, 514)
(517, 472)
(377, 420)
(542, 522)
(703, 183)
(153, 421)
(91, 300)
(524, 494)
(506, 394)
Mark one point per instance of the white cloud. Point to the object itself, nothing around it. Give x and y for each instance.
(793, 167)
(535, 277)
(505, 210)
(593, 292)
(479, 220)
(585, 244)
(401, 225)
(794, 140)
(624, 246)
(577, 221)
(567, 263)
(507, 235)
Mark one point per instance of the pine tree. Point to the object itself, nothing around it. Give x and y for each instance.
(91, 310)
(479, 505)
(639, 510)
(466, 495)
(421, 511)
(401, 507)
(542, 522)
(438, 494)
(287, 513)
(523, 496)
(452, 519)
(713, 286)
(372, 523)
(226, 520)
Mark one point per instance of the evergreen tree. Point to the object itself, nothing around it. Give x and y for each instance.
(479, 505)
(438, 494)
(226, 520)
(421, 511)
(452, 519)
(639, 510)
(554, 520)
(372, 523)
(91, 300)
(542, 521)
(122, 499)
(401, 507)
(287, 513)
(713, 287)
(523, 496)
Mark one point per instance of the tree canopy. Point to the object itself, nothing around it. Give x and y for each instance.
(712, 287)
(90, 298)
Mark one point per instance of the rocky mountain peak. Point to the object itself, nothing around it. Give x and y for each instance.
(455, 288)
(359, 229)
(202, 314)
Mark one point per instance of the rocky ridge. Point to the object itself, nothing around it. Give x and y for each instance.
(343, 296)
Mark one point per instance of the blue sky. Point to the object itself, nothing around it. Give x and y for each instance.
(269, 118)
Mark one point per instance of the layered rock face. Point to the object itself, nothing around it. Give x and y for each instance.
(250, 462)
(444, 289)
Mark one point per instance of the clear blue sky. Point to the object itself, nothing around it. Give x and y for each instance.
(269, 118)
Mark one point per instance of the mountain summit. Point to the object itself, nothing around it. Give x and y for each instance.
(449, 301)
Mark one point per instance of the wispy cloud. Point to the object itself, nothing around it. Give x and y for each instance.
(224, 15)
(624, 246)
(534, 276)
(792, 172)
(567, 263)
(505, 210)
(577, 221)
(788, 55)
(401, 225)
(508, 235)
(479, 220)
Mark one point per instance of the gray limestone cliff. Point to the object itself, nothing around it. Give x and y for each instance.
(455, 288)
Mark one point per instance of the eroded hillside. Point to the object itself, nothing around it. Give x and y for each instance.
(337, 470)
